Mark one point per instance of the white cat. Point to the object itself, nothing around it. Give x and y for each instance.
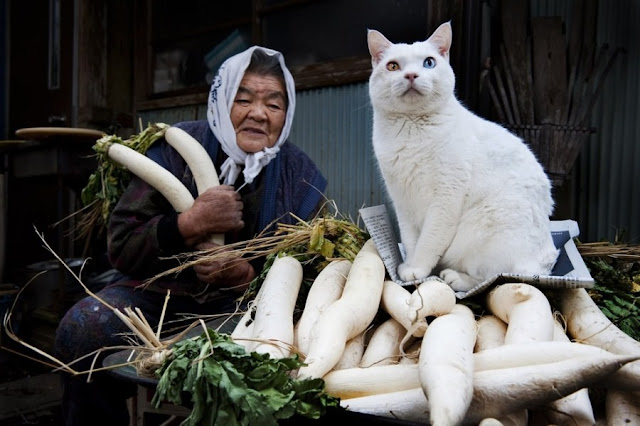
(471, 199)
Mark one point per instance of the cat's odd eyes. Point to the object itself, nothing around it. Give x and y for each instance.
(430, 62)
(393, 66)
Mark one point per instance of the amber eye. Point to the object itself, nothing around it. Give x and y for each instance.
(393, 66)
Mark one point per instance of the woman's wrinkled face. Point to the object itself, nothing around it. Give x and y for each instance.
(258, 112)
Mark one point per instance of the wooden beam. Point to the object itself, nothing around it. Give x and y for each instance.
(549, 69)
(342, 71)
(334, 73)
(514, 17)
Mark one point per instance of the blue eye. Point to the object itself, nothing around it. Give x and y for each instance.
(429, 62)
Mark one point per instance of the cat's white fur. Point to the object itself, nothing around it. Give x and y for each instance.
(471, 199)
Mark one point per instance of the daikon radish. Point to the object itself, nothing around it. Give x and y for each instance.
(572, 409)
(196, 157)
(491, 332)
(326, 289)
(531, 353)
(395, 302)
(525, 309)
(446, 367)
(625, 379)
(384, 345)
(362, 381)
(431, 298)
(622, 408)
(497, 393)
(507, 390)
(202, 167)
(517, 355)
(154, 174)
(410, 405)
(352, 354)
(412, 353)
(243, 331)
(519, 418)
(348, 316)
(586, 323)
(490, 421)
(274, 312)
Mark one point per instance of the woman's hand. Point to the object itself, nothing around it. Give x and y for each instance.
(230, 272)
(215, 211)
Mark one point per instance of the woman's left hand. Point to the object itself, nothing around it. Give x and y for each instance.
(232, 271)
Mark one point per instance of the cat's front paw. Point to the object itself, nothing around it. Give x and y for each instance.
(411, 273)
(458, 281)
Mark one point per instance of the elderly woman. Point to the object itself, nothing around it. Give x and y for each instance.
(264, 178)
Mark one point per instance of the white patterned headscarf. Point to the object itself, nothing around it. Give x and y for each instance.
(223, 92)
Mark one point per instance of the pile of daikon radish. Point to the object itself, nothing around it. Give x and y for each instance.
(418, 354)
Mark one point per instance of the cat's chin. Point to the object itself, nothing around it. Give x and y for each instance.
(412, 92)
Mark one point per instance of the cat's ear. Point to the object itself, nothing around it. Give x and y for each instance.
(441, 38)
(377, 45)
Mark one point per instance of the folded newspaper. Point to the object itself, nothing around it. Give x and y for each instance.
(569, 271)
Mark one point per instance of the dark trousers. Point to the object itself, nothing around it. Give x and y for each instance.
(89, 326)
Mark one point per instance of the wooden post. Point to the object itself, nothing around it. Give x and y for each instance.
(549, 69)
(514, 33)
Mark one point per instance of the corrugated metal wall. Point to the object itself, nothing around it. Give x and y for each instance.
(333, 125)
(606, 193)
(610, 173)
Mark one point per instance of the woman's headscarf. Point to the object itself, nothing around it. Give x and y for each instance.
(223, 92)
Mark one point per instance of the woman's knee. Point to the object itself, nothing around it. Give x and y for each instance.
(86, 327)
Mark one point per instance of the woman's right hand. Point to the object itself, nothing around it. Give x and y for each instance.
(215, 211)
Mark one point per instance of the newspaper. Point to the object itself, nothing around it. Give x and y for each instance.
(569, 271)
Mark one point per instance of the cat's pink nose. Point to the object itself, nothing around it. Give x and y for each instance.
(411, 76)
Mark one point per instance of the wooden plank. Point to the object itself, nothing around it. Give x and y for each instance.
(341, 71)
(349, 70)
(439, 12)
(590, 27)
(574, 54)
(514, 35)
(576, 33)
(120, 24)
(91, 59)
(142, 60)
(549, 69)
(580, 52)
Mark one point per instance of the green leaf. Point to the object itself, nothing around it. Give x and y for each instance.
(228, 386)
